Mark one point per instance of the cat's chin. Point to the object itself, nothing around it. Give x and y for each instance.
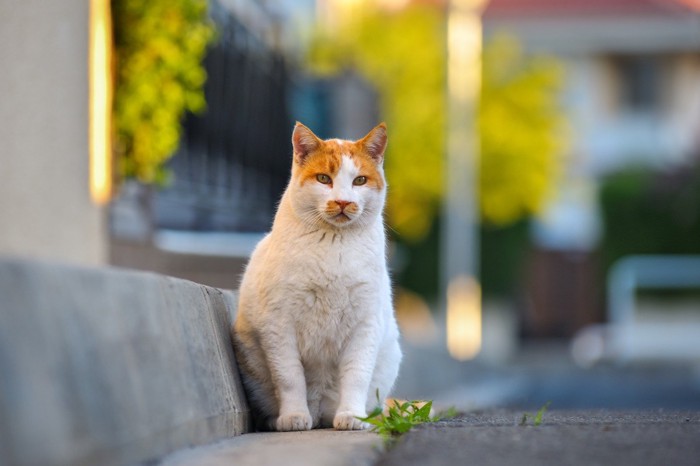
(340, 220)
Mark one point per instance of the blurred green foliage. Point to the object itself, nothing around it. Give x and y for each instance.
(651, 212)
(419, 269)
(159, 46)
(522, 132)
(503, 252)
(503, 255)
(403, 54)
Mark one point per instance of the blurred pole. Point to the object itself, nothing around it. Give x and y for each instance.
(460, 228)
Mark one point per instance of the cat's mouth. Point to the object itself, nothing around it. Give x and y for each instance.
(339, 219)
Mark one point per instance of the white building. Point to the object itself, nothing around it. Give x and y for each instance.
(631, 93)
(632, 85)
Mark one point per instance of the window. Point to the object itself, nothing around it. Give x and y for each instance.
(639, 81)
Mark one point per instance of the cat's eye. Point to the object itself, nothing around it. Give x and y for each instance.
(359, 181)
(323, 179)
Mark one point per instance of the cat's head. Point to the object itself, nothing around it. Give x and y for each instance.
(336, 181)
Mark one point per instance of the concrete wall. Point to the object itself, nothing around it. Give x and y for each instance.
(45, 210)
(108, 366)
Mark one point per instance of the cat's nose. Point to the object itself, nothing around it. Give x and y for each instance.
(342, 204)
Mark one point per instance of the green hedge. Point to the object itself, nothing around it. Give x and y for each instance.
(651, 212)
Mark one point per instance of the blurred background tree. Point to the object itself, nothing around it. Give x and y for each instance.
(402, 54)
(521, 129)
(159, 47)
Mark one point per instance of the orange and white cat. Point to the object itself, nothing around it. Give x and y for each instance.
(315, 335)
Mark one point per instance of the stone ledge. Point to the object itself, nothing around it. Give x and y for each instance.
(110, 366)
(322, 447)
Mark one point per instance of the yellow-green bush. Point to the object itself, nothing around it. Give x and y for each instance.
(159, 47)
(521, 130)
(403, 54)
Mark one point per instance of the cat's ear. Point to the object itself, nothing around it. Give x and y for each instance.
(304, 142)
(375, 142)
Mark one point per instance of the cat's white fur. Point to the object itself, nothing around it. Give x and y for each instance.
(315, 333)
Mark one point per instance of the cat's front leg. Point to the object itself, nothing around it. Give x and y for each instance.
(287, 375)
(356, 368)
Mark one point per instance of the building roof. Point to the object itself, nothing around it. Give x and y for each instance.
(502, 9)
(598, 26)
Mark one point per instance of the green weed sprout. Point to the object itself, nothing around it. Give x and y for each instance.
(399, 419)
(538, 417)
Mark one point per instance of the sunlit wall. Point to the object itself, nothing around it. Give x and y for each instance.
(45, 206)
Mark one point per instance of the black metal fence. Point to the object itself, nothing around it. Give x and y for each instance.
(233, 162)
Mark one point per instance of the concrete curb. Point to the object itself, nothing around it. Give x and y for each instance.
(324, 447)
(109, 366)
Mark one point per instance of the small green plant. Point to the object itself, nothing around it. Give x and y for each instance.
(399, 418)
(538, 416)
(449, 413)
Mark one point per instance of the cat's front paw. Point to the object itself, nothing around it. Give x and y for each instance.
(347, 420)
(293, 421)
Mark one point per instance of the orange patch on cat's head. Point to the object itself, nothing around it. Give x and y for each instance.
(368, 166)
(326, 159)
(314, 156)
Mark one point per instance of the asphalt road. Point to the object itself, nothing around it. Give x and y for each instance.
(572, 438)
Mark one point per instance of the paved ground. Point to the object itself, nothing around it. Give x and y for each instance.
(564, 438)
(494, 437)
(643, 414)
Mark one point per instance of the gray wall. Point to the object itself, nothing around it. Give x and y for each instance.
(45, 209)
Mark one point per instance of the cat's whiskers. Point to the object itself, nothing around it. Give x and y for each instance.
(389, 227)
(311, 216)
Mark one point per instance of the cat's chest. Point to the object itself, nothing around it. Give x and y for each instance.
(334, 273)
(335, 263)
(339, 290)
(332, 284)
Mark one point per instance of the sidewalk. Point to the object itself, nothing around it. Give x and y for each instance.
(495, 437)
